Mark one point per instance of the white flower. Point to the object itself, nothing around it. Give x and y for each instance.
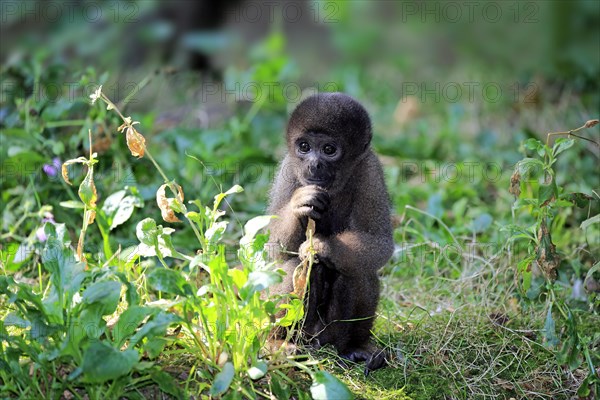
(96, 95)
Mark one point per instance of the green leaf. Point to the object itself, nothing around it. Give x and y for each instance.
(154, 346)
(258, 281)
(219, 197)
(87, 189)
(222, 380)
(169, 281)
(253, 226)
(295, 312)
(103, 293)
(551, 340)
(118, 207)
(102, 362)
(590, 221)
(258, 370)
(157, 326)
(532, 144)
(590, 273)
(128, 322)
(72, 204)
(579, 199)
(327, 387)
(153, 237)
(279, 388)
(546, 193)
(66, 276)
(525, 269)
(166, 383)
(561, 145)
(530, 167)
(215, 232)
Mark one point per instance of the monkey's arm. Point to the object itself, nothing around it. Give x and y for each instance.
(286, 230)
(367, 242)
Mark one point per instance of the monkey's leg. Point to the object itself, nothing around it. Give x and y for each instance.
(347, 308)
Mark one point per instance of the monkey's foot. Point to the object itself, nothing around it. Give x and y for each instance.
(374, 357)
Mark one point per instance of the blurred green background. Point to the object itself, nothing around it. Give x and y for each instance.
(454, 89)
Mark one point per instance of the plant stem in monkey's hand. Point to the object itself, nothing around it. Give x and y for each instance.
(302, 271)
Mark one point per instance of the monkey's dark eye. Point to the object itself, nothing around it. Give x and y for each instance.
(304, 147)
(329, 149)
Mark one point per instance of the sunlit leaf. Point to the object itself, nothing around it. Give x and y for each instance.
(327, 387)
(258, 370)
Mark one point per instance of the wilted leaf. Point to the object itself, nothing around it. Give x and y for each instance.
(90, 216)
(591, 123)
(166, 204)
(299, 279)
(515, 183)
(135, 142)
(547, 258)
(65, 173)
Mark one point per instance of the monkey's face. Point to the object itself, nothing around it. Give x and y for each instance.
(318, 157)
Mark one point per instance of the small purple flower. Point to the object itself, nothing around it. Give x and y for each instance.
(52, 169)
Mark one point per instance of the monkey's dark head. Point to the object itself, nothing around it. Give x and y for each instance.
(326, 135)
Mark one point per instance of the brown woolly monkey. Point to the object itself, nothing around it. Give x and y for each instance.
(330, 174)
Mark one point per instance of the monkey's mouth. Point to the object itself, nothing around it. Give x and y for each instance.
(321, 182)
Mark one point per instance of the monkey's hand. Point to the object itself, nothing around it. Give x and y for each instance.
(310, 201)
(321, 249)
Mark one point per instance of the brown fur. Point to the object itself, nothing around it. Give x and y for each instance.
(353, 235)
